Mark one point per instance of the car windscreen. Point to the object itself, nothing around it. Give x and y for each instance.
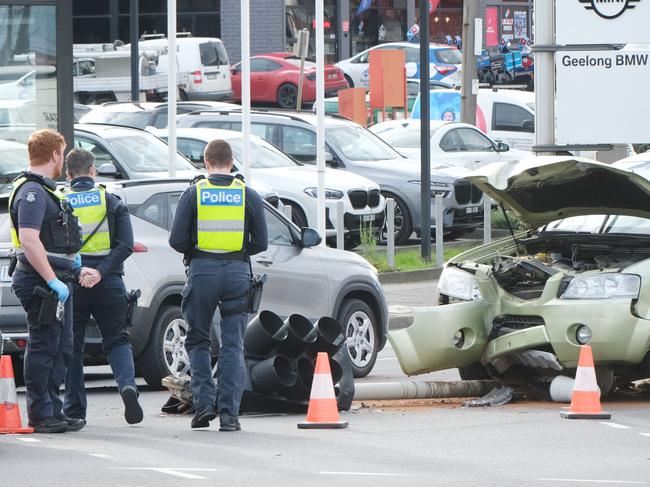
(137, 120)
(448, 56)
(358, 144)
(601, 224)
(13, 160)
(403, 136)
(144, 152)
(263, 155)
(213, 54)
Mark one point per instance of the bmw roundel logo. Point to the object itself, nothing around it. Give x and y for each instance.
(609, 9)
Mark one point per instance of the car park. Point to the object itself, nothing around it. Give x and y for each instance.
(311, 281)
(445, 62)
(295, 183)
(275, 80)
(520, 308)
(353, 148)
(143, 115)
(455, 143)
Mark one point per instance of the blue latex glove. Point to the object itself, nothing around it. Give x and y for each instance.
(60, 289)
(77, 261)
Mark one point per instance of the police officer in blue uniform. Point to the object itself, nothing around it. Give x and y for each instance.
(107, 241)
(45, 237)
(219, 224)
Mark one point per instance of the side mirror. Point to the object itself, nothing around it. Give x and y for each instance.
(330, 161)
(309, 238)
(502, 147)
(107, 169)
(528, 126)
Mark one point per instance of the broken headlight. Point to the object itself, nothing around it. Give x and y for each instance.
(458, 284)
(603, 286)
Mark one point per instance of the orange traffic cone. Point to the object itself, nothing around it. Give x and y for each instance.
(9, 410)
(585, 401)
(323, 411)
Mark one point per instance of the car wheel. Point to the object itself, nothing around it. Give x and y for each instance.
(403, 221)
(475, 371)
(297, 215)
(165, 352)
(360, 328)
(18, 364)
(349, 80)
(287, 96)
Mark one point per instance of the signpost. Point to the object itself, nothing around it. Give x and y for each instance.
(425, 135)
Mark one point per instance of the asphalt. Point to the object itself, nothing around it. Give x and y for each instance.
(402, 297)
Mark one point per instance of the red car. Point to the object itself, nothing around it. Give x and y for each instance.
(274, 79)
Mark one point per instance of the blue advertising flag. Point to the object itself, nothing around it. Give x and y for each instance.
(363, 6)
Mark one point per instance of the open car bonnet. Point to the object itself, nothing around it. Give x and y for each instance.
(544, 189)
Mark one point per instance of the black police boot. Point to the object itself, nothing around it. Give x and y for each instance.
(132, 410)
(49, 425)
(228, 422)
(74, 424)
(203, 417)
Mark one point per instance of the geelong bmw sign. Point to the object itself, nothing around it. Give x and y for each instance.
(609, 9)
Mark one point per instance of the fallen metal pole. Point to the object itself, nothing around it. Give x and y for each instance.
(422, 390)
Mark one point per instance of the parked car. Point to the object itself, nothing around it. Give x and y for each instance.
(524, 305)
(204, 59)
(356, 149)
(145, 114)
(506, 115)
(296, 183)
(312, 281)
(275, 80)
(458, 144)
(445, 62)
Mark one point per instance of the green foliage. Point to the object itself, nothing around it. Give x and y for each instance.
(409, 260)
(640, 148)
(499, 221)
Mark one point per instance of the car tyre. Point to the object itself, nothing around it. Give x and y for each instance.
(403, 220)
(287, 96)
(362, 341)
(297, 215)
(166, 339)
(476, 371)
(349, 80)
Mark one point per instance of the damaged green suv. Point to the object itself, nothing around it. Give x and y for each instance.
(521, 307)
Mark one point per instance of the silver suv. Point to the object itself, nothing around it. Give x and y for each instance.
(312, 281)
(354, 148)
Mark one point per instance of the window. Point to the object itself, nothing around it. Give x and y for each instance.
(451, 142)
(474, 141)
(161, 118)
(412, 55)
(102, 156)
(159, 209)
(299, 142)
(402, 136)
(448, 56)
(192, 149)
(145, 153)
(138, 120)
(512, 118)
(262, 65)
(213, 54)
(362, 59)
(359, 144)
(278, 231)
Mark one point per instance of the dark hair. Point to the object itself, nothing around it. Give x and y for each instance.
(79, 162)
(217, 154)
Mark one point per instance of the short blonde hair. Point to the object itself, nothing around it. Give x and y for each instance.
(41, 144)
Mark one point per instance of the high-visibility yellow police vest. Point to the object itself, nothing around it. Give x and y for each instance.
(90, 207)
(220, 216)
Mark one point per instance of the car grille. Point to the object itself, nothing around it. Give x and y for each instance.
(504, 324)
(466, 192)
(358, 198)
(373, 198)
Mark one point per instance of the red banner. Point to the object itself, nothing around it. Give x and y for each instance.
(492, 26)
(433, 4)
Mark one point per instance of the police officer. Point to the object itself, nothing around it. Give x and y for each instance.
(219, 224)
(107, 241)
(45, 237)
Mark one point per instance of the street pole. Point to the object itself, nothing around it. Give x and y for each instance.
(425, 134)
(135, 54)
(246, 88)
(544, 75)
(467, 95)
(320, 117)
(171, 86)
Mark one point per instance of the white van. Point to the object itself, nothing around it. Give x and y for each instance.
(504, 115)
(204, 59)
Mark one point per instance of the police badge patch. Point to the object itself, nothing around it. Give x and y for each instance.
(30, 197)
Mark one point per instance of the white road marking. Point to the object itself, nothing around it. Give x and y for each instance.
(375, 474)
(387, 358)
(177, 472)
(628, 482)
(28, 440)
(99, 455)
(615, 425)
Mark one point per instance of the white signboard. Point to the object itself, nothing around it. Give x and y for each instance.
(601, 97)
(602, 21)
